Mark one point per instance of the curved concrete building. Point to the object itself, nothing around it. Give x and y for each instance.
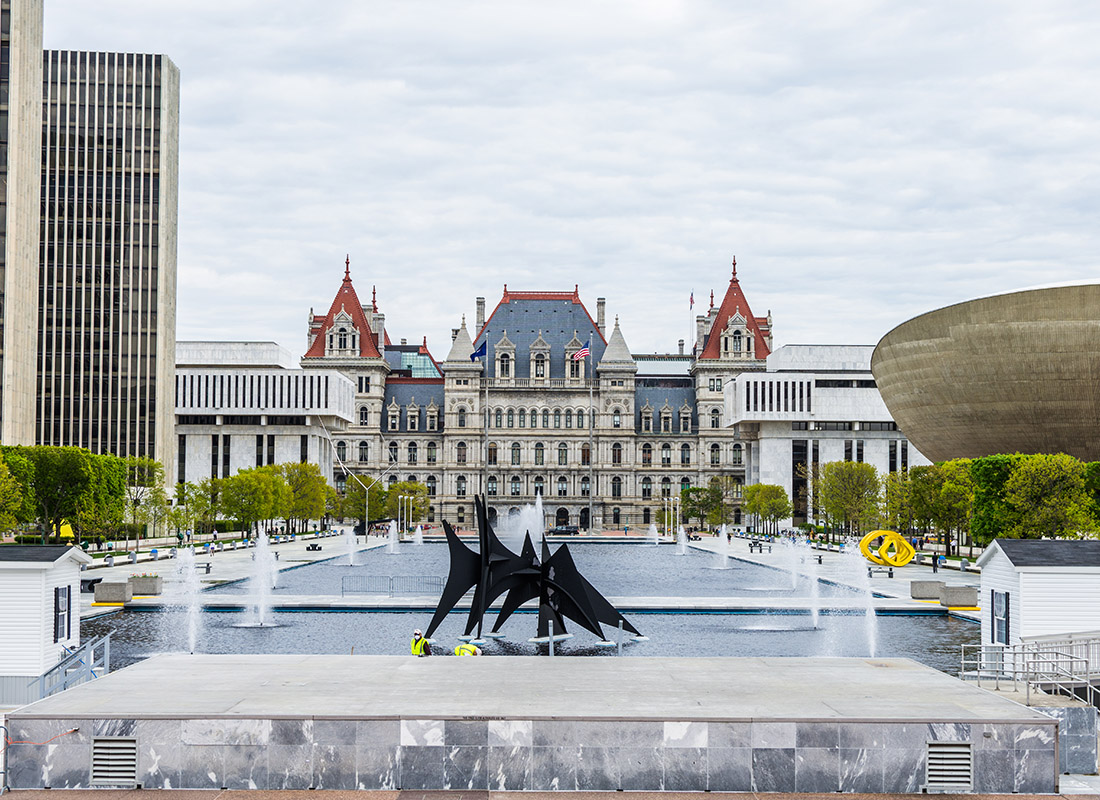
(1016, 372)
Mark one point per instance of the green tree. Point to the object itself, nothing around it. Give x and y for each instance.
(730, 491)
(63, 478)
(700, 502)
(204, 500)
(956, 503)
(768, 502)
(924, 494)
(415, 510)
(11, 498)
(849, 494)
(354, 504)
(897, 506)
(22, 470)
(307, 492)
(255, 495)
(992, 516)
(102, 511)
(1048, 495)
(143, 476)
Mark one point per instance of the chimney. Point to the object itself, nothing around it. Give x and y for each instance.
(480, 321)
(681, 347)
(404, 341)
(702, 328)
(600, 303)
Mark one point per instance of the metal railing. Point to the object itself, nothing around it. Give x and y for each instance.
(89, 661)
(391, 585)
(1043, 669)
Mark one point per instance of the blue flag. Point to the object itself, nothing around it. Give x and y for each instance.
(481, 351)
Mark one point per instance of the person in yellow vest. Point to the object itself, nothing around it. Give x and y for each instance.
(465, 649)
(420, 645)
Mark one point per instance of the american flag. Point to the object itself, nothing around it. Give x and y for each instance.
(691, 302)
(584, 352)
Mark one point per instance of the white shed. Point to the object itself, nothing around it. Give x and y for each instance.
(39, 612)
(1039, 587)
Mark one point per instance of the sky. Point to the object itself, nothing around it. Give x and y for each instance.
(865, 161)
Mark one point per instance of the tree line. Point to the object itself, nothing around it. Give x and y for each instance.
(962, 502)
(105, 497)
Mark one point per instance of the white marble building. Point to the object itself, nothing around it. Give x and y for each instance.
(246, 404)
(814, 404)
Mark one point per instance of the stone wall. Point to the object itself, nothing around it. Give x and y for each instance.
(518, 754)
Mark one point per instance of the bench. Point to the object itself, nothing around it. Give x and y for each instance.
(313, 546)
(759, 547)
(87, 585)
(872, 571)
(813, 555)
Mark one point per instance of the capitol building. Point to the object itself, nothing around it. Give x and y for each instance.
(606, 439)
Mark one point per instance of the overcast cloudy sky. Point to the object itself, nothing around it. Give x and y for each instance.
(865, 161)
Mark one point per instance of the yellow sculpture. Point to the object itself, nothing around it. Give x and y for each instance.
(901, 554)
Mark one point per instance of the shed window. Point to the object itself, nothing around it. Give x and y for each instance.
(62, 614)
(1000, 617)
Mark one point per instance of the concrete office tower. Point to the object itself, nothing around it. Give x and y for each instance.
(108, 267)
(20, 176)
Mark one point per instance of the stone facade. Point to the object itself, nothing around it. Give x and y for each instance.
(602, 439)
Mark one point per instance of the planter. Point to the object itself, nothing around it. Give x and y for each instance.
(113, 593)
(146, 585)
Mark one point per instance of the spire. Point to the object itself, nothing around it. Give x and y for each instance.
(617, 356)
(347, 267)
(735, 303)
(734, 278)
(462, 347)
(712, 298)
(374, 299)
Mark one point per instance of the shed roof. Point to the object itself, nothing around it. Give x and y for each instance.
(1051, 552)
(40, 554)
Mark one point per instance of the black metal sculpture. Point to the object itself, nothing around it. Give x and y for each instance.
(554, 579)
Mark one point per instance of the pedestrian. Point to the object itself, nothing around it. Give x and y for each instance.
(466, 649)
(420, 646)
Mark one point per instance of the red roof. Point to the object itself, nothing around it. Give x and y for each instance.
(348, 300)
(735, 302)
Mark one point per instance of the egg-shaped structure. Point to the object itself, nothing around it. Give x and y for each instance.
(1016, 372)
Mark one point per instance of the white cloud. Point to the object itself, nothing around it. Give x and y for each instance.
(866, 161)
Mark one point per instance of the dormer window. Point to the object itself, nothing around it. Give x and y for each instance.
(540, 366)
(505, 366)
(737, 341)
(342, 339)
(394, 420)
(666, 422)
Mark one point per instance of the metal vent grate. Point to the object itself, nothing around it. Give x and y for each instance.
(950, 767)
(114, 762)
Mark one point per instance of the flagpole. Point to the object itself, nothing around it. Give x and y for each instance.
(591, 447)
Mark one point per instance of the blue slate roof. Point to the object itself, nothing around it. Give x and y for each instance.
(405, 393)
(658, 391)
(556, 318)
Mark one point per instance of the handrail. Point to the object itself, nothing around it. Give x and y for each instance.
(1042, 668)
(78, 666)
(391, 584)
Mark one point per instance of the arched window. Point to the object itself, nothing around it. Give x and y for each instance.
(666, 487)
(546, 418)
(563, 486)
(569, 418)
(534, 418)
(523, 417)
(586, 487)
(462, 418)
(737, 454)
(685, 454)
(393, 452)
(666, 455)
(364, 416)
(645, 516)
(540, 454)
(563, 454)
(432, 453)
(616, 486)
(500, 418)
(511, 418)
(616, 453)
(491, 486)
(580, 419)
(505, 366)
(715, 419)
(540, 366)
(460, 453)
(492, 453)
(586, 455)
(341, 483)
(460, 486)
(514, 486)
(412, 452)
(715, 455)
(342, 339)
(647, 455)
(515, 452)
(647, 488)
(363, 451)
(737, 341)
(341, 451)
(616, 517)
(557, 417)
(431, 485)
(685, 484)
(411, 479)
(392, 480)
(539, 485)
(616, 419)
